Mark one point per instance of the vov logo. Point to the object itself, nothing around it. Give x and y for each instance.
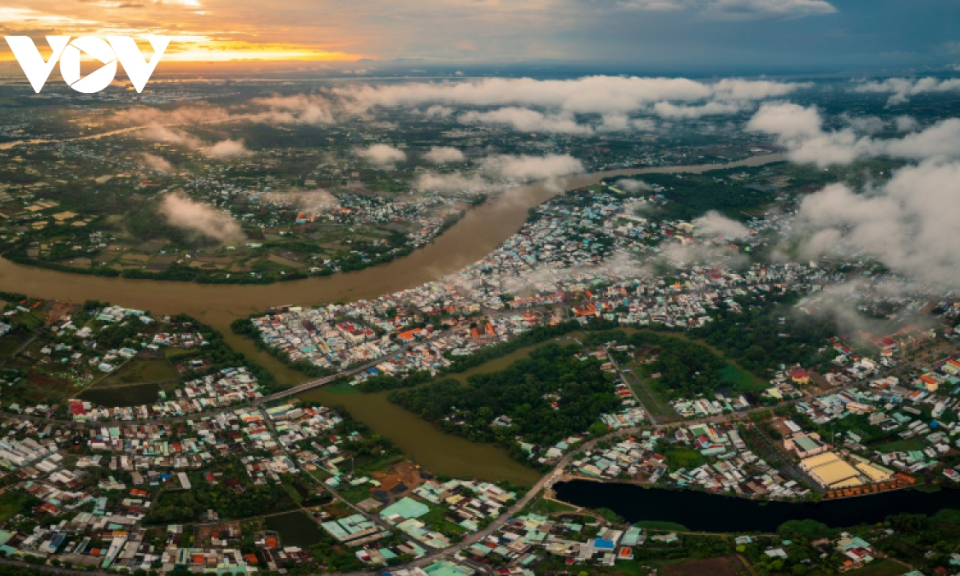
(109, 51)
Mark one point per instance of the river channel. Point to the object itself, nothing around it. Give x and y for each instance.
(727, 514)
(477, 234)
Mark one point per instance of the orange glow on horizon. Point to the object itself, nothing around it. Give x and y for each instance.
(195, 44)
(202, 51)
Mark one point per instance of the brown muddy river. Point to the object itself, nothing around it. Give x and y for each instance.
(473, 237)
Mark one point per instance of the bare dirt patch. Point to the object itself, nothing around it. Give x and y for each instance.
(723, 566)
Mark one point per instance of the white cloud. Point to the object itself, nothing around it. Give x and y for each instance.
(736, 9)
(531, 167)
(786, 120)
(526, 120)
(444, 155)
(497, 173)
(191, 114)
(587, 95)
(668, 110)
(298, 109)
(907, 223)
(438, 111)
(906, 123)
(223, 149)
(682, 255)
(160, 133)
(458, 184)
(183, 212)
(901, 89)
(653, 5)
(316, 201)
(382, 155)
(714, 223)
(864, 124)
(631, 185)
(799, 130)
(157, 163)
(226, 149)
(764, 9)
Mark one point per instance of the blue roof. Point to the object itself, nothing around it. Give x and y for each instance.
(601, 544)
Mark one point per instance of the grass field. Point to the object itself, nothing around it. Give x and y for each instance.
(652, 401)
(658, 525)
(545, 507)
(905, 445)
(743, 381)
(140, 372)
(9, 344)
(11, 504)
(683, 458)
(436, 519)
(341, 388)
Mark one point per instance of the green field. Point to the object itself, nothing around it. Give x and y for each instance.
(343, 387)
(904, 445)
(652, 401)
(544, 507)
(683, 458)
(9, 344)
(657, 525)
(12, 504)
(743, 381)
(140, 372)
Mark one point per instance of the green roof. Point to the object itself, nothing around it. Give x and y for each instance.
(406, 508)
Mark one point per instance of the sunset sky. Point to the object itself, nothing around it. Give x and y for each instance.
(681, 34)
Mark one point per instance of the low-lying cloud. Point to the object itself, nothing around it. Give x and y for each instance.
(223, 149)
(315, 201)
(158, 163)
(531, 167)
(297, 109)
(587, 95)
(199, 218)
(497, 173)
(161, 133)
(226, 149)
(444, 155)
(632, 186)
(902, 89)
(382, 155)
(908, 224)
(526, 120)
(800, 130)
(714, 223)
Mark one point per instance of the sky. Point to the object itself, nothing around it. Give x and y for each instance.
(725, 36)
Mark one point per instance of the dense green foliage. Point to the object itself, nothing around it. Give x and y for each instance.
(685, 368)
(234, 496)
(585, 392)
(533, 336)
(758, 340)
(691, 195)
(384, 382)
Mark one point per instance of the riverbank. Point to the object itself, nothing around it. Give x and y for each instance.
(478, 233)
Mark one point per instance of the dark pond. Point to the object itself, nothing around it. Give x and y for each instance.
(122, 396)
(700, 511)
(295, 529)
